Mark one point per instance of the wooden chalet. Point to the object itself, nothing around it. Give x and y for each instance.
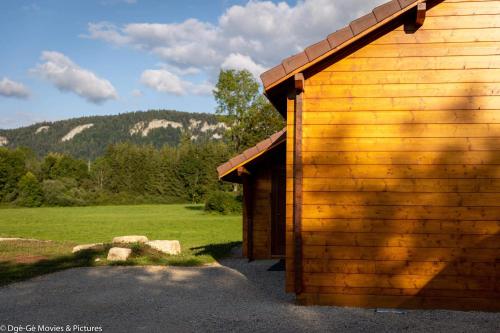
(385, 189)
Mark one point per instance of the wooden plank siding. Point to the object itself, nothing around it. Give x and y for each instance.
(262, 213)
(261, 179)
(401, 167)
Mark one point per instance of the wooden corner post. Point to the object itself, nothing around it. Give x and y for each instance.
(297, 182)
(248, 209)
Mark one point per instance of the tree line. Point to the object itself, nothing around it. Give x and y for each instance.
(126, 173)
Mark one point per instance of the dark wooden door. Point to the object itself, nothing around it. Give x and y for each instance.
(278, 217)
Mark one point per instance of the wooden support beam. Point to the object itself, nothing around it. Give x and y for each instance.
(421, 10)
(248, 202)
(299, 82)
(297, 183)
(242, 171)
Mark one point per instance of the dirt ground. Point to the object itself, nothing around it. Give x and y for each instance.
(235, 296)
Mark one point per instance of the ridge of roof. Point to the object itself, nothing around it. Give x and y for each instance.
(251, 153)
(336, 41)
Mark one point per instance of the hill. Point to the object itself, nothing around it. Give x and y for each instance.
(88, 137)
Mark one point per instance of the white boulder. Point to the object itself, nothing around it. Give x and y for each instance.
(119, 254)
(172, 247)
(94, 246)
(130, 239)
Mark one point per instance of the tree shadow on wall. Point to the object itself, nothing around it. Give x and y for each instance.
(409, 209)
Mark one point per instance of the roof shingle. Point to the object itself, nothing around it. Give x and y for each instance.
(251, 153)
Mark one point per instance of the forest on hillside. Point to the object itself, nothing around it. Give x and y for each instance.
(153, 127)
(180, 170)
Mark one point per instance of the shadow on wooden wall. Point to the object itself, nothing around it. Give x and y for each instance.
(408, 213)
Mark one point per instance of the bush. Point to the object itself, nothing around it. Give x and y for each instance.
(63, 192)
(223, 203)
(30, 191)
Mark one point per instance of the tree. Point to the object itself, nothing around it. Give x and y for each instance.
(12, 168)
(171, 182)
(56, 166)
(30, 191)
(247, 113)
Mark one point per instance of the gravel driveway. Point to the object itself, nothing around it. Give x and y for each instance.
(234, 297)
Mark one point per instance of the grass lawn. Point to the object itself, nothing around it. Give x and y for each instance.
(204, 237)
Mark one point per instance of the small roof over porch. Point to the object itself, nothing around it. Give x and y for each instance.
(229, 170)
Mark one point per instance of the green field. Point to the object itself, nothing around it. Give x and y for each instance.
(204, 237)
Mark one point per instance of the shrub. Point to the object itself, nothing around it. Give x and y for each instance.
(63, 192)
(30, 191)
(223, 203)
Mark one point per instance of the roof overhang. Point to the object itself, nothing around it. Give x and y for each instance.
(274, 78)
(229, 170)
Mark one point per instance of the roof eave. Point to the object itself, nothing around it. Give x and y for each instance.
(283, 72)
(227, 169)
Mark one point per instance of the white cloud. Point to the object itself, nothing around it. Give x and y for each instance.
(182, 71)
(106, 31)
(240, 61)
(163, 81)
(9, 88)
(167, 82)
(254, 36)
(68, 76)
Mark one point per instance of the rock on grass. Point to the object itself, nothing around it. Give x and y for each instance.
(172, 247)
(93, 246)
(130, 239)
(119, 254)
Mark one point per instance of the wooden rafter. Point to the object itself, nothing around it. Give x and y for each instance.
(421, 11)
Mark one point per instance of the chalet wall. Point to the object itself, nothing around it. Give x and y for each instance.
(262, 214)
(261, 181)
(401, 154)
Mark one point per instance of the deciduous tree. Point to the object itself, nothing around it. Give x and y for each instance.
(244, 109)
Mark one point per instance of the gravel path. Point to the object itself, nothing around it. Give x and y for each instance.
(234, 297)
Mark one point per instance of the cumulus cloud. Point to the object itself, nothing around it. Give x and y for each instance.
(106, 31)
(9, 88)
(254, 36)
(240, 61)
(167, 82)
(63, 73)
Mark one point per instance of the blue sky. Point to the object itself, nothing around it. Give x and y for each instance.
(63, 59)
